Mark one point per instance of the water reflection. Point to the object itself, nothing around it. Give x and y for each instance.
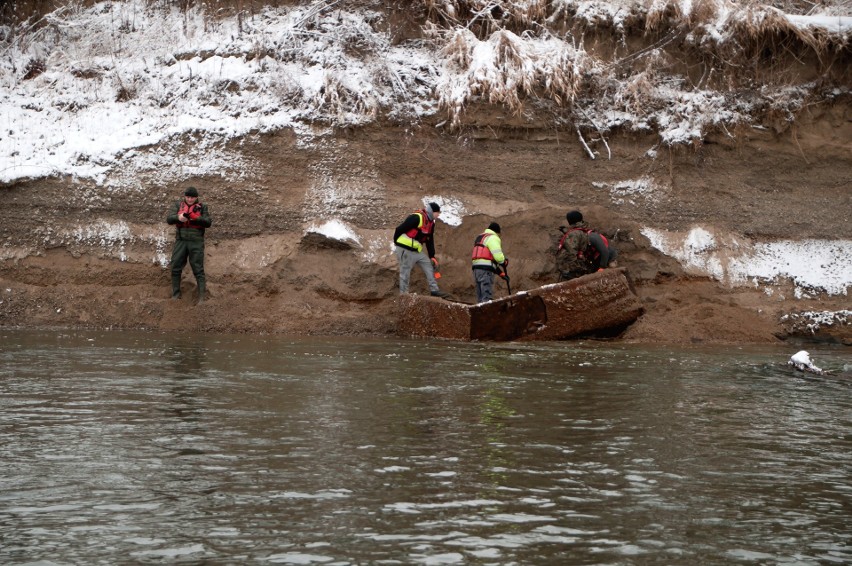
(142, 448)
(186, 359)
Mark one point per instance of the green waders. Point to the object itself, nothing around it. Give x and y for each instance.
(189, 245)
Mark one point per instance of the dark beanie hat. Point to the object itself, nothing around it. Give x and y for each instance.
(574, 217)
(434, 206)
(191, 192)
(495, 227)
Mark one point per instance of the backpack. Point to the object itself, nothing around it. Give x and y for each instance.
(570, 256)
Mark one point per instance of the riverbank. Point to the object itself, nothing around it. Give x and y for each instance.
(314, 283)
(713, 147)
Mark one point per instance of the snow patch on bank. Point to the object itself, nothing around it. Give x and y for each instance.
(813, 321)
(113, 239)
(646, 189)
(813, 266)
(336, 230)
(452, 209)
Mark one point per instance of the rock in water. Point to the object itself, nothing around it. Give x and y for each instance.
(801, 360)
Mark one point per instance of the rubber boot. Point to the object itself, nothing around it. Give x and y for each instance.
(175, 287)
(202, 291)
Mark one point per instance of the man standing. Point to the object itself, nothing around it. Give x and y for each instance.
(190, 218)
(488, 259)
(415, 232)
(582, 250)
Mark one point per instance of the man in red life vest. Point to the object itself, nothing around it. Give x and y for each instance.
(416, 232)
(487, 259)
(582, 250)
(190, 218)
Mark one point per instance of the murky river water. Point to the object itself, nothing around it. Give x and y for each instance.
(136, 448)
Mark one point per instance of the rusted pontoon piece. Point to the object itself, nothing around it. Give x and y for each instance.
(594, 303)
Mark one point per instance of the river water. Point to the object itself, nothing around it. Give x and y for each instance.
(145, 448)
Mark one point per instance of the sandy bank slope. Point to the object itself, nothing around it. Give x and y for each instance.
(73, 256)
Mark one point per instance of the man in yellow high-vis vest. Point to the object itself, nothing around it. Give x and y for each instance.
(410, 238)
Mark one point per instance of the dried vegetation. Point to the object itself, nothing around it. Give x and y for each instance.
(680, 69)
(684, 69)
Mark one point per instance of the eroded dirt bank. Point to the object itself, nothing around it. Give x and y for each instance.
(80, 256)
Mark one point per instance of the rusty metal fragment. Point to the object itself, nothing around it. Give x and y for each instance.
(594, 303)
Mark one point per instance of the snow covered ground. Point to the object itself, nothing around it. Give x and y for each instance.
(814, 266)
(120, 93)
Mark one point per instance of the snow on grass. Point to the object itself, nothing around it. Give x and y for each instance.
(832, 24)
(813, 266)
(125, 76)
(122, 81)
(505, 67)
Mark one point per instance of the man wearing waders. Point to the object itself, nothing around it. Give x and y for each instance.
(488, 259)
(409, 238)
(190, 218)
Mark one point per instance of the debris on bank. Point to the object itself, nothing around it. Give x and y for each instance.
(596, 303)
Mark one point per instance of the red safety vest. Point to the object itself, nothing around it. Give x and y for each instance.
(480, 250)
(192, 212)
(421, 234)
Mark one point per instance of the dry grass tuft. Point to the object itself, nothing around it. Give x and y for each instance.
(345, 105)
(507, 69)
(765, 38)
(485, 17)
(663, 14)
(704, 12)
(459, 49)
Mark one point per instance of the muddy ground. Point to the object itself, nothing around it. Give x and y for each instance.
(77, 255)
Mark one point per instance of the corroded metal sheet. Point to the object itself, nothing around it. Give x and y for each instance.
(509, 318)
(589, 304)
(421, 315)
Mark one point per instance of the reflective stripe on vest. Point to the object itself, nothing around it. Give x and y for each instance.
(414, 238)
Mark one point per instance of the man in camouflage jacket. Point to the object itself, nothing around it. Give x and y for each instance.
(582, 250)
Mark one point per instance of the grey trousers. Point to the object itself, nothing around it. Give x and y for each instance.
(407, 260)
(484, 281)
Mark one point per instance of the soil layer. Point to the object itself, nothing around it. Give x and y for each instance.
(62, 264)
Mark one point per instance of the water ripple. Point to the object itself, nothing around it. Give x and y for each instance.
(150, 448)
